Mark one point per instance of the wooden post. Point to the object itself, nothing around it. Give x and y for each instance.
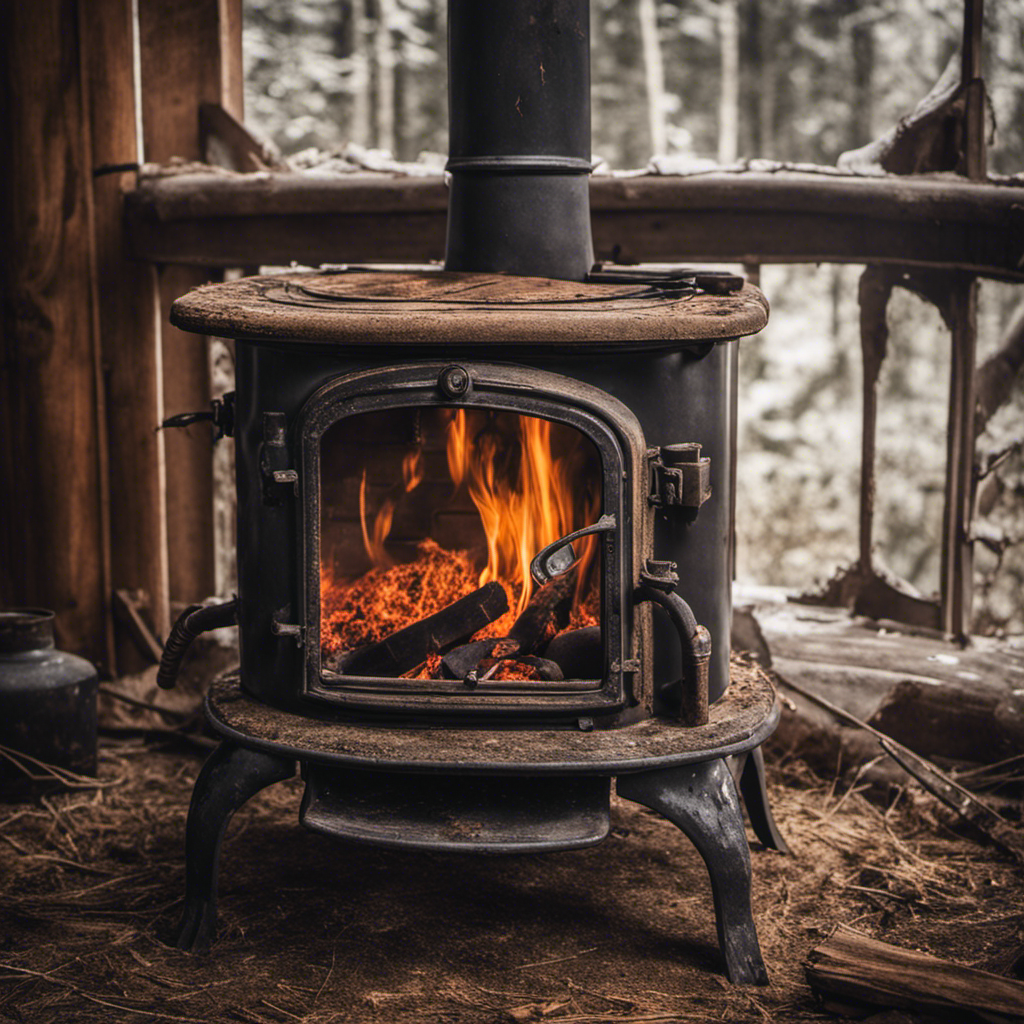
(957, 579)
(873, 296)
(53, 538)
(190, 54)
(127, 328)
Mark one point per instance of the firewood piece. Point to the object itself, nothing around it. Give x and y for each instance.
(578, 653)
(546, 613)
(853, 968)
(409, 647)
(457, 664)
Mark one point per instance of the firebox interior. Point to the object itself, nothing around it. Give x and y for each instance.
(430, 518)
(514, 493)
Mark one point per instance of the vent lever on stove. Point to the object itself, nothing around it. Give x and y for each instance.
(657, 584)
(221, 414)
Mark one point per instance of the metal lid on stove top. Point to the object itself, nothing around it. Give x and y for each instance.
(422, 308)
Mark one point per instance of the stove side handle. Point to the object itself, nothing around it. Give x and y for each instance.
(690, 694)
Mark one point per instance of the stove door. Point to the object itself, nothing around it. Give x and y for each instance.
(472, 536)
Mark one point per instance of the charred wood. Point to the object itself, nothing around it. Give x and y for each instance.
(403, 650)
(546, 613)
(578, 653)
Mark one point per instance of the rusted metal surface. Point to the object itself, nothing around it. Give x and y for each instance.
(420, 309)
(738, 721)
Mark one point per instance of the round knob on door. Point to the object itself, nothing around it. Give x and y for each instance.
(454, 381)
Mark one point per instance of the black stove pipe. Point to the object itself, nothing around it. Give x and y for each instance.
(519, 149)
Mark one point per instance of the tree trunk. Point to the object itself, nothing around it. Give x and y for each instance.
(729, 91)
(654, 75)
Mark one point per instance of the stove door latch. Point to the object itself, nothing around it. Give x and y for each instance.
(280, 481)
(280, 627)
(680, 476)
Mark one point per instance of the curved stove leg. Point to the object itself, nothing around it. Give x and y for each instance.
(231, 775)
(701, 800)
(755, 797)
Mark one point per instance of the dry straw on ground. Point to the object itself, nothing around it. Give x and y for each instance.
(319, 931)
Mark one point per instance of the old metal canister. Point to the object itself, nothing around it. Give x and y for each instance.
(47, 703)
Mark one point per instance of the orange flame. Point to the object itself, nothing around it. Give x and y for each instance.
(522, 512)
(412, 474)
(531, 483)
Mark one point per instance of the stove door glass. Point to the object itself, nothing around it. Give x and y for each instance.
(430, 518)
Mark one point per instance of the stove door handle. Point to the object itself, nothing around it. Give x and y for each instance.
(195, 619)
(695, 642)
(558, 557)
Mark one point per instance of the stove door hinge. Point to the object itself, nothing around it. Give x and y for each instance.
(680, 477)
(280, 481)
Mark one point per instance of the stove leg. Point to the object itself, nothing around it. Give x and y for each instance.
(701, 800)
(755, 798)
(231, 775)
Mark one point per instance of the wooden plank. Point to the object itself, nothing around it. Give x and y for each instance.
(128, 331)
(52, 533)
(190, 54)
(186, 388)
(854, 968)
(785, 217)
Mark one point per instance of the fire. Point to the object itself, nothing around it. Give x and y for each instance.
(530, 483)
(521, 512)
(412, 474)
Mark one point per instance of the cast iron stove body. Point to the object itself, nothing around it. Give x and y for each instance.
(484, 519)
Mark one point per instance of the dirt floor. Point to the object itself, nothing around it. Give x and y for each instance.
(316, 930)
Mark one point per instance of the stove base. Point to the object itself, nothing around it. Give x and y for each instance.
(506, 808)
(457, 813)
(740, 720)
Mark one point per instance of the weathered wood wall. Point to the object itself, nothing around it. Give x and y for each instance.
(92, 497)
(54, 533)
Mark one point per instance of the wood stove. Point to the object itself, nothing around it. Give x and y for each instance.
(484, 518)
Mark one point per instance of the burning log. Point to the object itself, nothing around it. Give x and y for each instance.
(578, 653)
(546, 613)
(407, 648)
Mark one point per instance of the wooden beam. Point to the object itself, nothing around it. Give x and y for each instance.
(190, 55)
(788, 216)
(128, 331)
(52, 550)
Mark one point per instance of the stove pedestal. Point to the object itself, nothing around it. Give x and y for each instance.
(701, 800)
(232, 774)
(491, 791)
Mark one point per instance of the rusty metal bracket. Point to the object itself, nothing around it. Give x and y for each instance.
(680, 476)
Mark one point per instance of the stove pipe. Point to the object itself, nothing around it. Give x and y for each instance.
(519, 127)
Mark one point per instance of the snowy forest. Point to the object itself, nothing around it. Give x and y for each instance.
(685, 85)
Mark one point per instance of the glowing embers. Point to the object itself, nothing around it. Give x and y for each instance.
(429, 521)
